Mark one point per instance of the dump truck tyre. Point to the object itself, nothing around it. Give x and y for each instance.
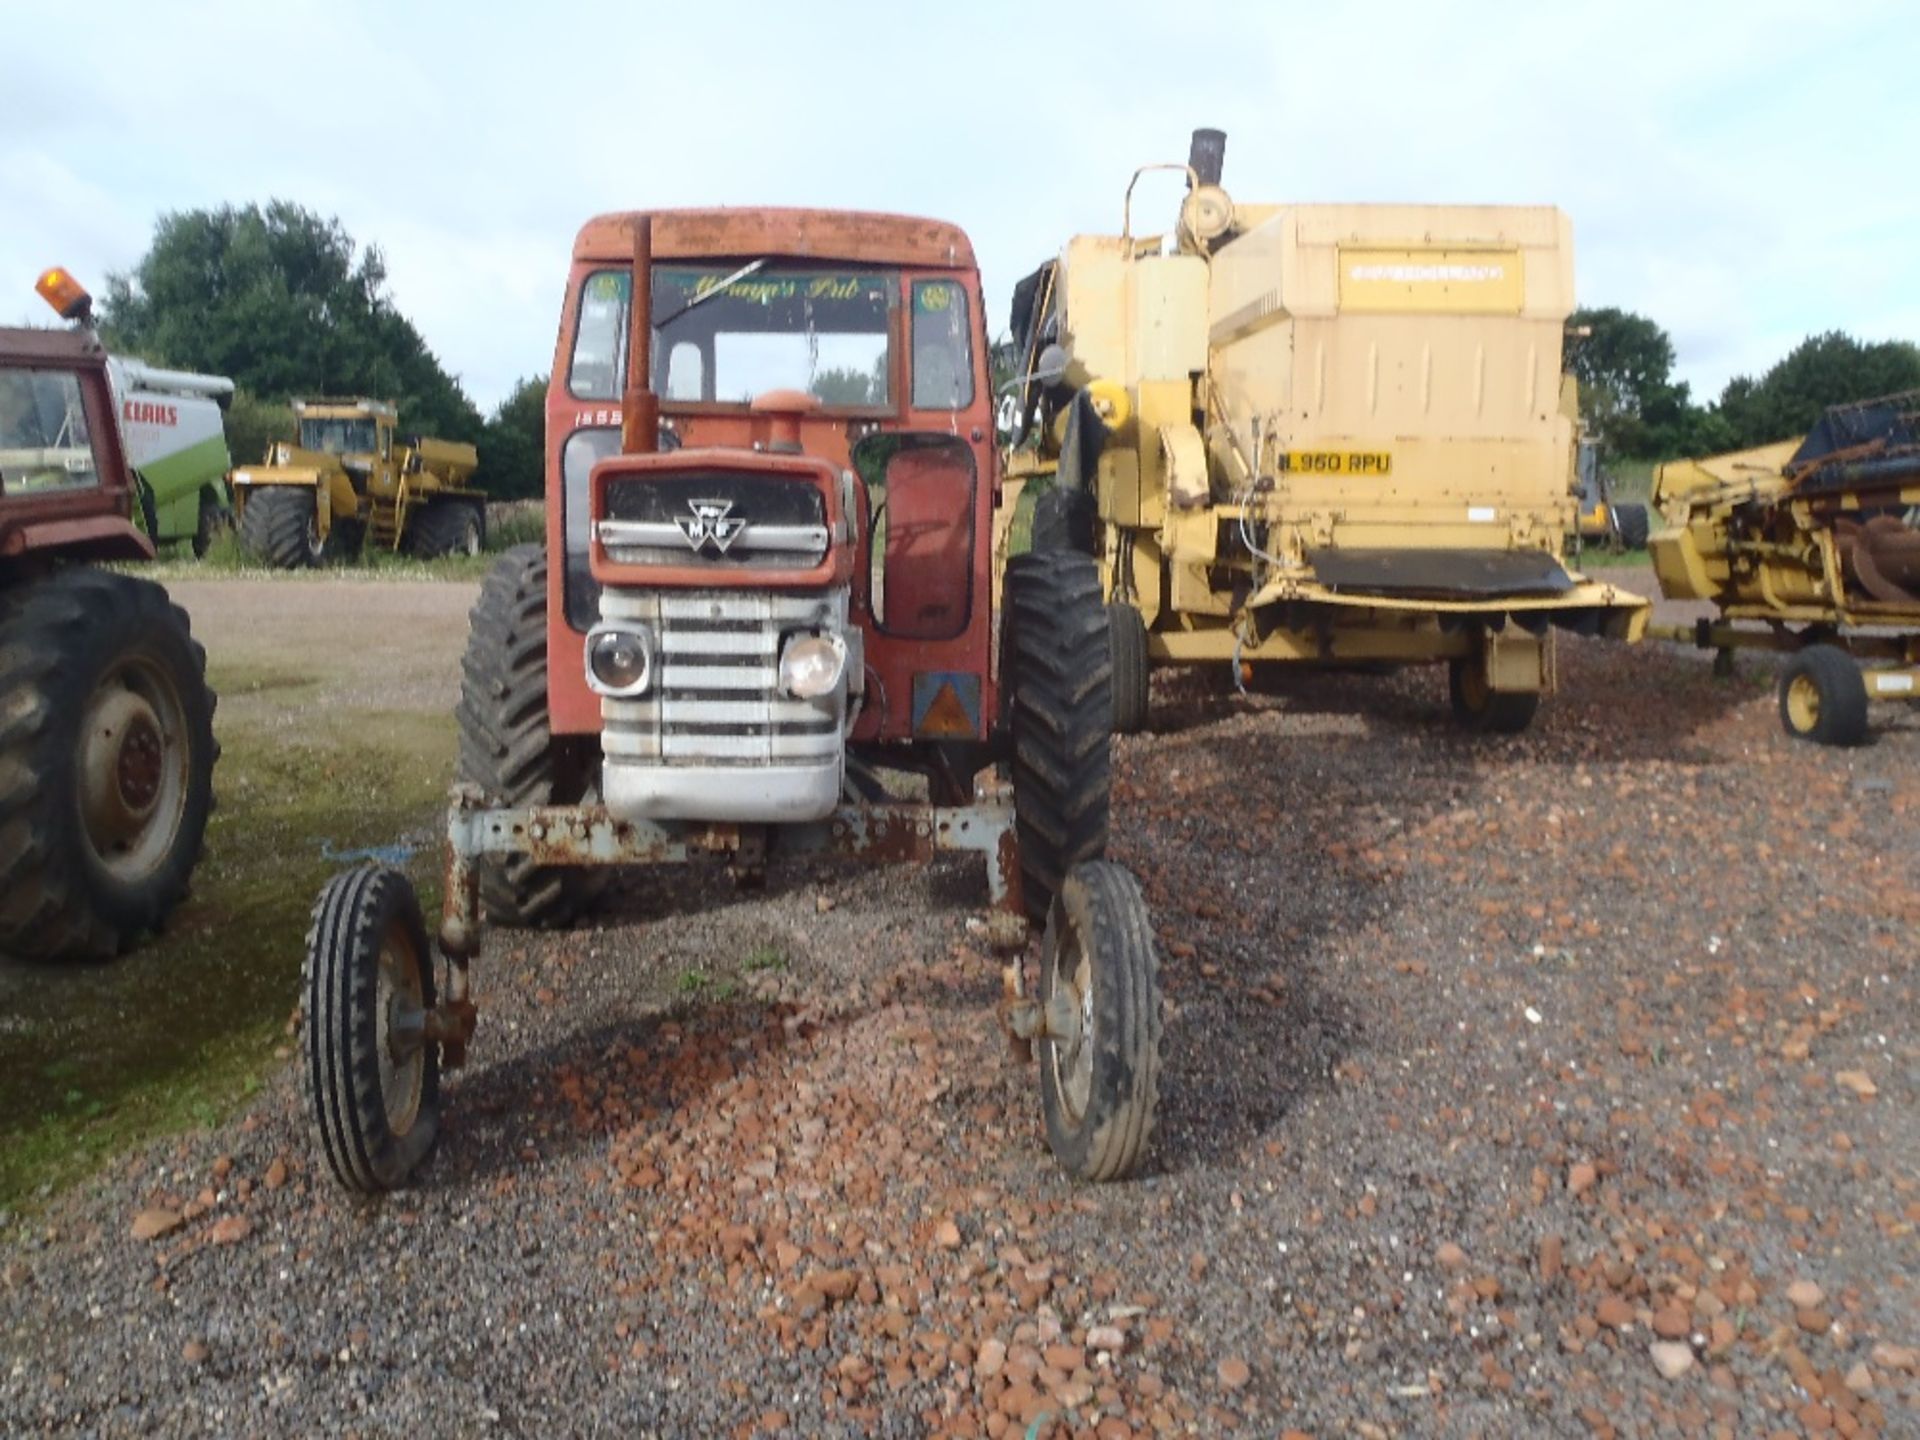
(370, 1077)
(1491, 712)
(449, 527)
(1127, 633)
(106, 763)
(1823, 697)
(279, 526)
(1098, 1090)
(1630, 523)
(1065, 520)
(1059, 674)
(506, 748)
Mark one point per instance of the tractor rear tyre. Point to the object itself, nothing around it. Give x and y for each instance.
(1100, 989)
(1065, 520)
(1823, 697)
(1630, 526)
(1479, 707)
(1059, 679)
(1127, 633)
(279, 526)
(370, 1076)
(506, 747)
(447, 527)
(106, 762)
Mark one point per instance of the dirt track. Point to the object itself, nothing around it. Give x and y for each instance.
(1500, 1077)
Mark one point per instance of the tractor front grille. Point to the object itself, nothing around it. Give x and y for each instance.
(715, 697)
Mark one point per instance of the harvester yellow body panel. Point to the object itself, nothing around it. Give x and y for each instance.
(1345, 433)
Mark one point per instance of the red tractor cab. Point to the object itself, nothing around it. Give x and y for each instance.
(764, 622)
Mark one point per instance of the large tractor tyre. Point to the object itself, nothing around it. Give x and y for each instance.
(214, 521)
(447, 527)
(1630, 525)
(1479, 707)
(1127, 634)
(1823, 697)
(1100, 990)
(280, 526)
(1059, 674)
(1065, 519)
(106, 763)
(505, 746)
(370, 1075)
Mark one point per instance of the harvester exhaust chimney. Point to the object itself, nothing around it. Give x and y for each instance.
(1208, 155)
(640, 408)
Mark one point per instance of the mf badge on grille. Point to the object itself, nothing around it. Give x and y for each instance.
(712, 523)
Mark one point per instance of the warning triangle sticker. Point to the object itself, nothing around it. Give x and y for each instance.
(945, 715)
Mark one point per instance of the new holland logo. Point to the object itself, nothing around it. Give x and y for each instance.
(712, 523)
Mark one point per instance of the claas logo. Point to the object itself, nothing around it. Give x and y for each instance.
(67, 296)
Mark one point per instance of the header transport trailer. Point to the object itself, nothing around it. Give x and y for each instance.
(1316, 433)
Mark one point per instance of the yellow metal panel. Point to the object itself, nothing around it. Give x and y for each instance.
(1168, 300)
(1432, 281)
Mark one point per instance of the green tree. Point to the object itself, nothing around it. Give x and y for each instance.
(1629, 400)
(513, 445)
(253, 424)
(285, 303)
(1822, 370)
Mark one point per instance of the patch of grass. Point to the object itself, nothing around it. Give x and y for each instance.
(764, 957)
(692, 982)
(94, 1058)
(517, 522)
(520, 522)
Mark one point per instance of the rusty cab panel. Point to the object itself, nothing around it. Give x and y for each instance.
(879, 320)
(65, 487)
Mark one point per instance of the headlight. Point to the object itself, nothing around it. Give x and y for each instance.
(811, 665)
(619, 660)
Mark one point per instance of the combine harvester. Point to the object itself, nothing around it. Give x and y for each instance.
(350, 482)
(1805, 546)
(177, 444)
(1316, 433)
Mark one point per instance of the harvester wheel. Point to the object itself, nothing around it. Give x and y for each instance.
(1127, 633)
(279, 526)
(1480, 707)
(215, 520)
(450, 527)
(505, 746)
(1823, 697)
(371, 1076)
(1100, 991)
(1630, 524)
(1065, 519)
(1059, 678)
(106, 762)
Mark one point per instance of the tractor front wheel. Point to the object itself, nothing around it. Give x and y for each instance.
(280, 526)
(1478, 706)
(1058, 674)
(1823, 697)
(371, 1077)
(1100, 992)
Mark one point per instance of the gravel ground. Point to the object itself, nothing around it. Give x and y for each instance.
(1559, 1086)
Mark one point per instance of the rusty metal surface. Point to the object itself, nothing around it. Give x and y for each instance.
(749, 232)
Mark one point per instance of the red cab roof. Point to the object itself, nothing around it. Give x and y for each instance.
(750, 232)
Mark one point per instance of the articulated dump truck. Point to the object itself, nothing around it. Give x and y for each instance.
(350, 482)
(1316, 433)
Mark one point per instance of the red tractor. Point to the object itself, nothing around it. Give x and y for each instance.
(764, 610)
(106, 721)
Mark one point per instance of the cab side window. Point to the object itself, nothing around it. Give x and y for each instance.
(942, 347)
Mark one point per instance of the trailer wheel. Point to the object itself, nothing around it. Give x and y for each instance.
(106, 763)
(280, 526)
(1630, 525)
(506, 747)
(1058, 676)
(447, 527)
(1480, 707)
(371, 1077)
(1823, 697)
(1127, 633)
(1100, 989)
(1065, 519)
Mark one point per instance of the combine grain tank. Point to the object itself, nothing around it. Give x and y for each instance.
(1320, 433)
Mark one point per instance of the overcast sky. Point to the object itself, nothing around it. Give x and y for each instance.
(1743, 173)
